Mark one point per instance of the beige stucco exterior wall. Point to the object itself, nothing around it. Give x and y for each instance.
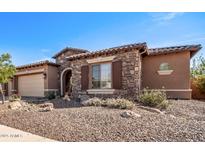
(53, 77)
(15, 80)
(178, 82)
(51, 80)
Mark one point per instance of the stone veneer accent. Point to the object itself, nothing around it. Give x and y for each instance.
(131, 73)
(61, 59)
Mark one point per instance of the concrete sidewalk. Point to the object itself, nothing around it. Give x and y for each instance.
(8, 134)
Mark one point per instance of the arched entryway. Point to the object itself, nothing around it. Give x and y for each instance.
(66, 86)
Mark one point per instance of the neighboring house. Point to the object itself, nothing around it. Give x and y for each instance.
(119, 71)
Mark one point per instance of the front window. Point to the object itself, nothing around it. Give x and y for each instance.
(101, 76)
(164, 67)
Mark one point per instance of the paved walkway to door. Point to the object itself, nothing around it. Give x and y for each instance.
(8, 134)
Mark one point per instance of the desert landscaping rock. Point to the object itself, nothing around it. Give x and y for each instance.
(47, 104)
(45, 107)
(151, 109)
(18, 105)
(172, 116)
(84, 98)
(15, 105)
(66, 98)
(130, 114)
(104, 124)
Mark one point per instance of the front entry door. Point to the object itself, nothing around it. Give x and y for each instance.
(67, 83)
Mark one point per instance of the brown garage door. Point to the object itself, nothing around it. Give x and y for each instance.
(31, 85)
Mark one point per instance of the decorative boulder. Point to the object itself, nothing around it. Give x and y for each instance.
(172, 116)
(84, 98)
(46, 107)
(15, 105)
(130, 114)
(66, 98)
(95, 101)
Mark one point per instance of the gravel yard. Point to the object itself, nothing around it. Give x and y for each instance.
(183, 121)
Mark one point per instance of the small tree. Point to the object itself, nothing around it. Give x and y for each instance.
(198, 73)
(198, 67)
(7, 71)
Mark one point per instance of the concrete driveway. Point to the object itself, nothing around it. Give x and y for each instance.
(8, 134)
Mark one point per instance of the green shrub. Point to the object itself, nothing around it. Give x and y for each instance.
(93, 102)
(163, 105)
(50, 95)
(199, 81)
(154, 98)
(14, 97)
(119, 103)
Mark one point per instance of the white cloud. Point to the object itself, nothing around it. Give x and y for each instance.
(165, 17)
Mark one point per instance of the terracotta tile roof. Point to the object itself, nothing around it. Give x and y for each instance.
(167, 50)
(37, 64)
(71, 49)
(108, 51)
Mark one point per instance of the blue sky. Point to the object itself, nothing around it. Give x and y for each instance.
(30, 37)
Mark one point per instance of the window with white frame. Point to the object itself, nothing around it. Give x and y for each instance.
(101, 76)
(164, 67)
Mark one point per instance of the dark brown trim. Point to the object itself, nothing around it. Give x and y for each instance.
(15, 82)
(117, 75)
(85, 77)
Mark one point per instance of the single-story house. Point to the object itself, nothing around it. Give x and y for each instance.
(119, 71)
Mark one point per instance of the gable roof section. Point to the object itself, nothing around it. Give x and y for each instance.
(193, 49)
(40, 63)
(69, 49)
(109, 51)
(174, 49)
